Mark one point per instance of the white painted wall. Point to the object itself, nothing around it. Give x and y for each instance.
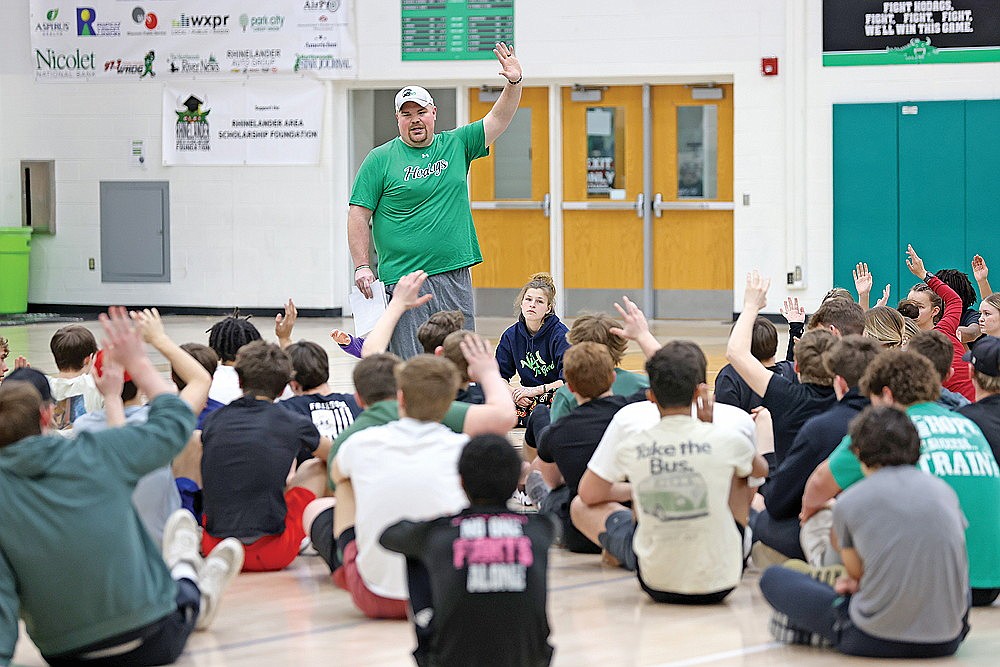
(253, 236)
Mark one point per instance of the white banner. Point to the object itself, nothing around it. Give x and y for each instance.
(260, 123)
(147, 40)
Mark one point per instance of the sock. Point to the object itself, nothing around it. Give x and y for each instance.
(184, 570)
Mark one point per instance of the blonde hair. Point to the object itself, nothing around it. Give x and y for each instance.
(885, 325)
(541, 281)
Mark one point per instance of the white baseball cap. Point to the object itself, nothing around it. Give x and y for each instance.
(414, 94)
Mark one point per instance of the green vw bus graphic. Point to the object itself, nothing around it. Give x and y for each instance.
(674, 496)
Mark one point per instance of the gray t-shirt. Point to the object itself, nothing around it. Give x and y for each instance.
(155, 496)
(909, 531)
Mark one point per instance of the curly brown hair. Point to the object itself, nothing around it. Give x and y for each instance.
(909, 376)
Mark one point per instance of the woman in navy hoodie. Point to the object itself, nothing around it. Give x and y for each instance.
(533, 346)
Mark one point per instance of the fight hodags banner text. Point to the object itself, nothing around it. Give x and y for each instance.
(161, 40)
(913, 32)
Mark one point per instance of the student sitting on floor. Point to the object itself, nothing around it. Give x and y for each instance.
(477, 579)
(568, 444)
(407, 468)
(158, 494)
(249, 447)
(952, 448)
(731, 389)
(451, 349)
(790, 404)
(532, 348)
(73, 348)
(226, 337)
(331, 412)
(88, 581)
(906, 589)
(984, 366)
(936, 347)
(680, 535)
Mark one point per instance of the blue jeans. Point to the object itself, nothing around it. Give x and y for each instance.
(159, 643)
(813, 606)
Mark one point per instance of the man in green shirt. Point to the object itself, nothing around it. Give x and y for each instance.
(413, 193)
(951, 447)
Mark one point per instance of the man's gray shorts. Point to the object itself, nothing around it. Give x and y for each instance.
(619, 528)
(452, 291)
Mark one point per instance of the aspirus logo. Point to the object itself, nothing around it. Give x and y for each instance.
(321, 5)
(305, 63)
(271, 23)
(192, 132)
(51, 26)
(202, 23)
(50, 64)
(146, 19)
(88, 26)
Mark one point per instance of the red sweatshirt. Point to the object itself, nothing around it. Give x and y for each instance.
(960, 381)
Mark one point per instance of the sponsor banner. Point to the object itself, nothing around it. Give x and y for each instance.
(263, 123)
(913, 32)
(147, 40)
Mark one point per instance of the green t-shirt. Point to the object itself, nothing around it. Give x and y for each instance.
(420, 201)
(383, 412)
(626, 383)
(953, 448)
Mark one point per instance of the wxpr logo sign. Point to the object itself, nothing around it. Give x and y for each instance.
(204, 23)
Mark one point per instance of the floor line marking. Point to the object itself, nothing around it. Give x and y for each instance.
(715, 657)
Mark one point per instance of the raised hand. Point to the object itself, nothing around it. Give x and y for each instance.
(885, 297)
(704, 404)
(481, 360)
(792, 311)
(635, 321)
(979, 269)
(914, 263)
(406, 293)
(122, 340)
(862, 278)
(509, 64)
(284, 323)
(340, 337)
(150, 324)
(755, 294)
(110, 380)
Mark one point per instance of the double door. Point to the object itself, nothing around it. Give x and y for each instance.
(633, 196)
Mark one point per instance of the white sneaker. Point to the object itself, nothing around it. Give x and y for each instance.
(181, 541)
(221, 567)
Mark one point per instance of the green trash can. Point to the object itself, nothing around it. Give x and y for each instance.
(15, 250)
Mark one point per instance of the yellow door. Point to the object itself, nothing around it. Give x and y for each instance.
(509, 191)
(602, 180)
(693, 201)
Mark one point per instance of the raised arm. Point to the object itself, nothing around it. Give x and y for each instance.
(636, 328)
(358, 237)
(795, 315)
(196, 378)
(981, 273)
(110, 382)
(863, 284)
(405, 296)
(284, 323)
(754, 373)
(952, 316)
(497, 414)
(499, 117)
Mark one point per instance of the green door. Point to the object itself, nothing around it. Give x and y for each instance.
(982, 184)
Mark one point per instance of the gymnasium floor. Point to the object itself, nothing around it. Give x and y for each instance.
(598, 614)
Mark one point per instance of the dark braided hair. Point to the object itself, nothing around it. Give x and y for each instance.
(959, 282)
(227, 336)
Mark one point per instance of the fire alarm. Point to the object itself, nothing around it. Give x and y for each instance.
(769, 66)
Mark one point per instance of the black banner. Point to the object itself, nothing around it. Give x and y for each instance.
(874, 25)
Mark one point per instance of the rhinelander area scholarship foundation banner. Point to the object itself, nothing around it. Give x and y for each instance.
(157, 40)
(258, 123)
